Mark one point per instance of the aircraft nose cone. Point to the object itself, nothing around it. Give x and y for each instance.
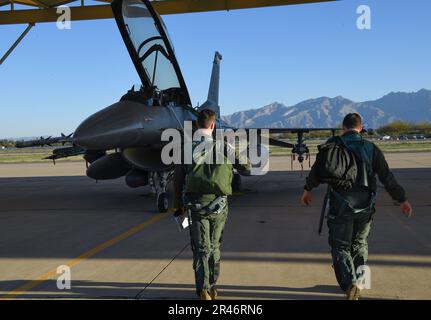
(117, 126)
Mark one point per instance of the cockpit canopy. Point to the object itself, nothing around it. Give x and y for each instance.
(150, 48)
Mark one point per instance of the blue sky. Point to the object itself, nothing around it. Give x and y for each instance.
(56, 78)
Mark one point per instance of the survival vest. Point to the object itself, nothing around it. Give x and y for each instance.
(347, 163)
(363, 151)
(205, 176)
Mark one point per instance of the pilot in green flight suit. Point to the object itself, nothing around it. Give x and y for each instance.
(202, 189)
(349, 225)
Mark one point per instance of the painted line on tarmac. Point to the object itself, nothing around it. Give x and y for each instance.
(51, 274)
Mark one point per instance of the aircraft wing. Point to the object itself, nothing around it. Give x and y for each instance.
(46, 10)
(295, 130)
(300, 148)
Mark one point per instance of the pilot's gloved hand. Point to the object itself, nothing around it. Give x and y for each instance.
(306, 198)
(406, 208)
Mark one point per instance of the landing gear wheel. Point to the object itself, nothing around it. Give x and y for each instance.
(162, 202)
(236, 183)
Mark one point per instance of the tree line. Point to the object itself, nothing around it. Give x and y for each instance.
(7, 143)
(400, 128)
(396, 129)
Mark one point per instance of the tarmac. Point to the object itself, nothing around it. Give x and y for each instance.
(119, 247)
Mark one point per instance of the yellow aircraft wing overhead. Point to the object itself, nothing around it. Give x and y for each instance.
(47, 9)
(35, 3)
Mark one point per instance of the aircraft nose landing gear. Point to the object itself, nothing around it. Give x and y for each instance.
(159, 182)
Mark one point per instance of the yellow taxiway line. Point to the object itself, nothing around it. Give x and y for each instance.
(46, 276)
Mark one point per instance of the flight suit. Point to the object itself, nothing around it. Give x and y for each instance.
(349, 229)
(348, 239)
(206, 235)
(206, 231)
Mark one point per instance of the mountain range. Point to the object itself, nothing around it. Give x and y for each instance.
(329, 112)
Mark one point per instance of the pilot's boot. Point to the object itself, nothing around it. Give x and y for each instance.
(205, 295)
(353, 292)
(213, 293)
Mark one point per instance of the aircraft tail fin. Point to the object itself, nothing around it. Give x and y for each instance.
(213, 92)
